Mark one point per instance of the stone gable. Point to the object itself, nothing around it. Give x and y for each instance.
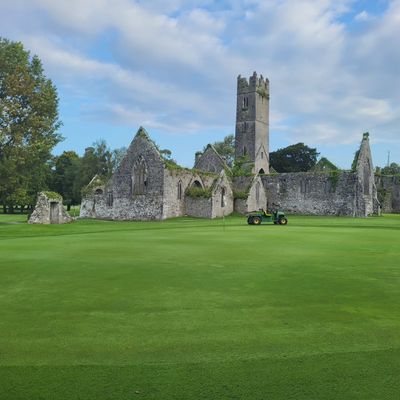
(210, 161)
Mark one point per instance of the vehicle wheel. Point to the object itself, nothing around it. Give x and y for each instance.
(250, 220)
(282, 221)
(256, 221)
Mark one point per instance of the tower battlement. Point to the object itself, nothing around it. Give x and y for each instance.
(255, 82)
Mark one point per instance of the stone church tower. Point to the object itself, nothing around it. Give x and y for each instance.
(252, 121)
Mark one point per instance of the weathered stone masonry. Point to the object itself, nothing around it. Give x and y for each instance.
(148, 187)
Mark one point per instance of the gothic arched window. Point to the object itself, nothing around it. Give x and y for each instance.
(223, 197)
(139, 177)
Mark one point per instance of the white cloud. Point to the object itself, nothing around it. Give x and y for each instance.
(363, 16)
(172, 65)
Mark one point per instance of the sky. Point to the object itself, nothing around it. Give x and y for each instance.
(171, 67)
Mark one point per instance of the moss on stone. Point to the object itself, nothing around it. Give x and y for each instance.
(334, 177)
(95, 183)
(262, 92)
(53, 195)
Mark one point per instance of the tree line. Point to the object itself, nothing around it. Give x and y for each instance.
(29, 131)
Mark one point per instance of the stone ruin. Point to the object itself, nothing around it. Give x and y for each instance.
(49, 209)
(146, 186)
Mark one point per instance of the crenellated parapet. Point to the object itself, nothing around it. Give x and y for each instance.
(253, 84)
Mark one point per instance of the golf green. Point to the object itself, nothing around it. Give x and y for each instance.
(200, 309)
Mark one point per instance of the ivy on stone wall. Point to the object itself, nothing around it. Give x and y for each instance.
(382, 194)
(355, 161)
(96, 182)
(198, 192)
(334, 177)
(240, 194)
(262, 92)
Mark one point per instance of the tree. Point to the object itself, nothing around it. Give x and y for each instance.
(392, 169)
(65, 179)
(294, 158)
(28, 125)
(324, 165)
(226, 149)
(117, 157)
(97, 160)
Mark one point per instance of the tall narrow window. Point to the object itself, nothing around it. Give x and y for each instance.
(139, 177)
(304, 186)
(110, 199)
(244, 150)
(245, 102)
(223, 195)
(179, 189)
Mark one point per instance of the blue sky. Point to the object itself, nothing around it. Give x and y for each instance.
(171, 66)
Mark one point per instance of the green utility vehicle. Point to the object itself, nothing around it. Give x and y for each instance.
(257, 217)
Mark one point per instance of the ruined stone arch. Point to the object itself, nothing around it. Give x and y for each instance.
(139, 177)
(98, 191)
(196, 183)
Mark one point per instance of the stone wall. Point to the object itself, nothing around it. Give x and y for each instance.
(119, 200)
(367, 202)
(210, 161)
(240, 206)
(198, 207)
(254, 187)
(388, 188)
(313, 193)
(176, 182)
(222, 197)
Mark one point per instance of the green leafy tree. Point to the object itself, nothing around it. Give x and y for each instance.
(242, 166)
(65, 178)
(324, 165)
(117, 157)
(97, 160)
(294, 158)
(392, 169)
(28, 125)
(226, 149)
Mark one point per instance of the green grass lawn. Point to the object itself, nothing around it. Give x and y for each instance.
(199, 309)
